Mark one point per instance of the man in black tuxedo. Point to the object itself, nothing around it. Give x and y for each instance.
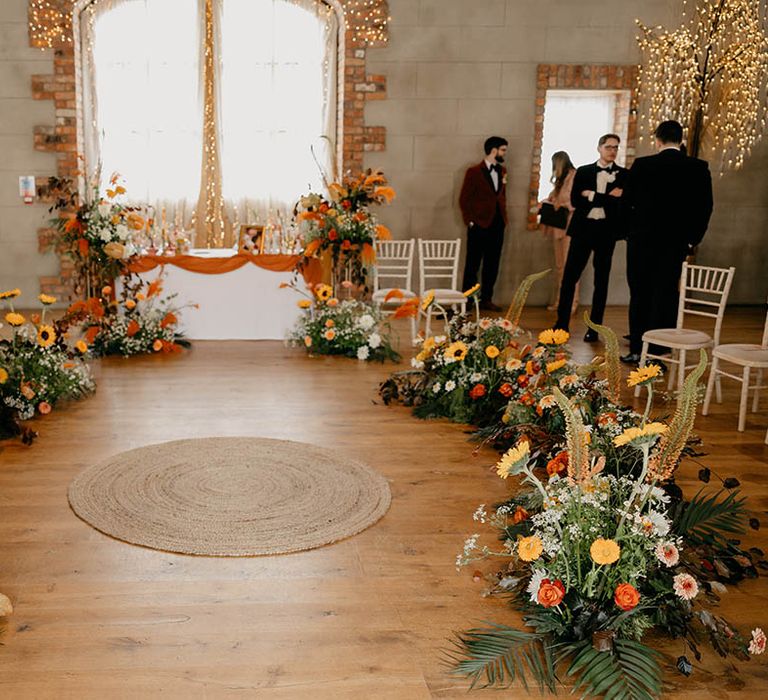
(594, 229)
(668, 204)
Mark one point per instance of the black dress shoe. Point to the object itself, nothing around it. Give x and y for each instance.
(591, 336)
(631, 358)
(489, 306)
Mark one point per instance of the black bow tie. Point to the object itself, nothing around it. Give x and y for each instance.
(609, 169)
(496, 167)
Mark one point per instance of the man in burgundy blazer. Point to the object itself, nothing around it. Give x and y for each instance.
(483, 202)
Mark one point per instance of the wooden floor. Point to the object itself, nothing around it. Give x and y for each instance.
(365, 618)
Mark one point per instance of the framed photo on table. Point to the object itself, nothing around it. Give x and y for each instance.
(251, 239)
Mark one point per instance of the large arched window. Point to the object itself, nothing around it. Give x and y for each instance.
(275, 99)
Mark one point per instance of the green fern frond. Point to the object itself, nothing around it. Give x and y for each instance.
(502, 655)
(612, 362)
(665, 459)
(515, 310)
(576, 435)
(712, 517)
(630, 672)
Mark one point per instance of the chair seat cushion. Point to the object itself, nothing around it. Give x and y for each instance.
(449, 296)
(748, 355)
(678, 338)
(380, 295)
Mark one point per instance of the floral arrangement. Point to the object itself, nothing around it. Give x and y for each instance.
(38, 367)
(598, 558)
(94, 231)
(342, 224)
(331, 327)
(140, 321)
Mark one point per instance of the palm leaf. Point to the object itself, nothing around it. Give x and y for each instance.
(515, 310)
(503, 654)
(630, 672)
(612, 362)
(712, 517)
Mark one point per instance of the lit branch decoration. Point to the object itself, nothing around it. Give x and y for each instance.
(711, 75)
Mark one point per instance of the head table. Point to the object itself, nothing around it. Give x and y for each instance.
(238, 295)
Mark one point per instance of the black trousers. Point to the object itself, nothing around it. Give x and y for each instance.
(597, 240)
(484, 247)
(653, 274)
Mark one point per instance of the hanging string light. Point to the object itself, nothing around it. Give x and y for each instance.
(711, 75)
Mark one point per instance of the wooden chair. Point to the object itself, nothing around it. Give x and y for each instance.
(748, 356)
(703, 292)
(394, 263)
(439, 272)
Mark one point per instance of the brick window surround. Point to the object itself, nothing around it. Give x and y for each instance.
(65, 136)
(551, 76)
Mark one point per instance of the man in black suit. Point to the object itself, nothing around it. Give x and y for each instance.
(668, 204)
(594, 229)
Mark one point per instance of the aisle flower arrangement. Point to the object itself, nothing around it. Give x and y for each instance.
(39, 367)
(95, 232)
(342, 225)
(141, 321)
(598, 558)
(350, 328)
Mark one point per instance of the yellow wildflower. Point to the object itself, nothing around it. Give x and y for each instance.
(604, 551)
(636, 435)
(554, 337)
(429, 344)
(3, 376)
(324, 292)
(472, 290)
(428, 299)
(46, 336)
(529, 548)
(15, 319)
(514, 458)
(304, 303)
(81, 347)
(456, 351)
(492, 351)
(130, 304)
(46, 299)
(643, 375)
(10, 294)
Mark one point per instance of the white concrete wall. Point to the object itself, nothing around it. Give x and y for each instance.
(460, 70)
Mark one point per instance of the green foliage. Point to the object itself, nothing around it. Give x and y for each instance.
(711, 518)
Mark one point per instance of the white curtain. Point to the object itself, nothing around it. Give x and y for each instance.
(276, 87)
(278, 102)
(142, 92)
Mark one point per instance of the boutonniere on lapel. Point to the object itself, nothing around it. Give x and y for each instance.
(504, 179)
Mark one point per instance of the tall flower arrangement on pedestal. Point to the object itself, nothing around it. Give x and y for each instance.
(95, 232)
(342, 225)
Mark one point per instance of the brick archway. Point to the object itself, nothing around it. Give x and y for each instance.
(52, 26)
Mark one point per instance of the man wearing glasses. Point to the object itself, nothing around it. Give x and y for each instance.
(594, 229)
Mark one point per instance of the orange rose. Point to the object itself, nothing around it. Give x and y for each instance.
(506, 390)
(44, 407)
(551, 593)
(626, 596)
(345, 244)
(520, 515)
(528, 399)
(157, 346)
(558, 464)
(522, 380)
(477, 392)
(132, 329)
(332, 235)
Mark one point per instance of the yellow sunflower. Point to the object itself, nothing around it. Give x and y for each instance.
(428, 345)
(324, 292)
(529, 548)
(10, 294)
(644, 375)
(554, 366)
(46, 336)
(15, 319)
(514, 458)
(428, 299)
(46, 299)
(81, 346)
(640, 435)
(3, 376)
(472, 290)
(492, 351)
(304, 303)
(554, 337)
(456, 351)
(604, 551)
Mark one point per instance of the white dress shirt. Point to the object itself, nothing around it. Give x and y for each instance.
(603, 180)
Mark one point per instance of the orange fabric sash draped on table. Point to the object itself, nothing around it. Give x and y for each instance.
(313, 271)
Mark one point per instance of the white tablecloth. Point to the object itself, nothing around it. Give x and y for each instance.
(246, 304)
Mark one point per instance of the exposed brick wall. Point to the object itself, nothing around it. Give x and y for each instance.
(587, 77)
(355, 84)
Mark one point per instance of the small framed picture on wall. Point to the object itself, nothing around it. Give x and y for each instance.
(251, 239)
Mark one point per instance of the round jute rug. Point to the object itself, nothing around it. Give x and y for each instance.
(230, 497)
